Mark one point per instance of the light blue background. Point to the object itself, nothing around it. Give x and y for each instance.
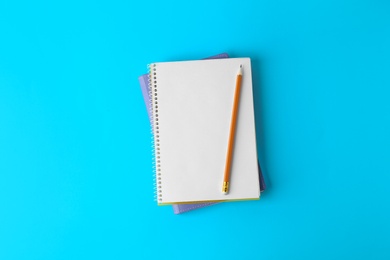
(75, 161)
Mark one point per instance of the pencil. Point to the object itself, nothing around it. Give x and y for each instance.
(226, 177)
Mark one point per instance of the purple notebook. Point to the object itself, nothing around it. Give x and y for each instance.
(181, 208)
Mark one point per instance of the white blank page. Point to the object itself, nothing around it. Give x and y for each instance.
(195, 100)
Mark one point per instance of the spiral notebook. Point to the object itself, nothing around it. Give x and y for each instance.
(182, 208)
(191, 115)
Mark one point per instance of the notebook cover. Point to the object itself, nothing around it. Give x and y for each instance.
(180, 208)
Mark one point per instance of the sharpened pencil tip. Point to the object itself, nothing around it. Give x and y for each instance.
(240, 70)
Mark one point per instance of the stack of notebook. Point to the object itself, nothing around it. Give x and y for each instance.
(190, 110)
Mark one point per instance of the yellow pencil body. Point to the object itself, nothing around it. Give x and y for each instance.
(233, 122)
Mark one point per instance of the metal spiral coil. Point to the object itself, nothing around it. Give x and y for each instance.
(155, 146)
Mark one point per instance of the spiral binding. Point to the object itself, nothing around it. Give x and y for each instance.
(155, 131)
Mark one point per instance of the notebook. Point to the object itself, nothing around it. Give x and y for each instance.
(192, 102)
(182, 208)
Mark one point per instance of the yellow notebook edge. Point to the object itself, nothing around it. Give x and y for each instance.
(207, 201)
